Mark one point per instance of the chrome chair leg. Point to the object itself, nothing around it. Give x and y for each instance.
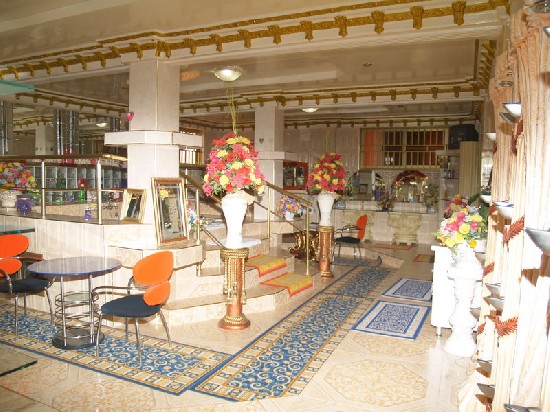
(138, 341)
(15, 300)
(50, 305)
(163, 319)
(97, 335)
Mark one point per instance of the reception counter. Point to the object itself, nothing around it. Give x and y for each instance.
(407, 223)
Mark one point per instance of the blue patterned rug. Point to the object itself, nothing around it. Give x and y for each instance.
(167, 368)
(400, 320)
(286, 357)
(280, 362)
(410, 289)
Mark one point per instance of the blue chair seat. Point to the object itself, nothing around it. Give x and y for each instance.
(347, 239)
(27, 285)
(131, 306)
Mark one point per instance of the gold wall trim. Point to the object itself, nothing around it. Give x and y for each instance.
(105, 50)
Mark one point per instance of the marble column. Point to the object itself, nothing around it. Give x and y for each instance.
(269, 141)
(153, 138)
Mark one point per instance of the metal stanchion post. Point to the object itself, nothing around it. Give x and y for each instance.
(325, 247)
(234, 318)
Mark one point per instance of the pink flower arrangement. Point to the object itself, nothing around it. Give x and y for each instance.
(15, 175)
(455, 205)
(328, 174)
(232, 166)
(288, 204)
(465, 225)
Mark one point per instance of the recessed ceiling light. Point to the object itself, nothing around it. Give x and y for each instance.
(228, 73)
(310, 109)
(101, 124)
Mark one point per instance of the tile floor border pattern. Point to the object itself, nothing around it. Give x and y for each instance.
(284, 359)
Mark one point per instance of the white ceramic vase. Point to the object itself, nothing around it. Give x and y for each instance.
(234, 209)
(8, 198)
(326, 201)
(289, 216)
(466, 271)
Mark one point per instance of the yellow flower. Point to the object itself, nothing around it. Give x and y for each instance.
(464, 228)
(249, 162)
(449, 242)
(224, 180)
(326, 177)
(473, 243)
(231, 140)
(477, 218)
(236, 165)
(222, 153)
(458, 238)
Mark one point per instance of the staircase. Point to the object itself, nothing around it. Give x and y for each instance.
(203, 297)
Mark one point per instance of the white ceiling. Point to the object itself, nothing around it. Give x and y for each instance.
(331, 66)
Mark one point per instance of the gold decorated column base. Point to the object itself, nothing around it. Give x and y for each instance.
(233, 288)
(325, 246)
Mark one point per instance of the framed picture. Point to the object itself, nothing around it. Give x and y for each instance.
(133, 205)
(170, 212)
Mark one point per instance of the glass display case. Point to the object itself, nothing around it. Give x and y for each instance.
(295, 175)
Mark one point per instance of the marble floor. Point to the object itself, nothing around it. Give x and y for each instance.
(364, 373)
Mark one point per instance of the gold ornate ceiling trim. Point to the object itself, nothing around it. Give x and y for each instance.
(283, 100)
(265, 20)
(54, 99)
(427, 122)
(84, 56)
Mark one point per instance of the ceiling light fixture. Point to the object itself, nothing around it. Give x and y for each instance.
(508, 117)
(491, 136)
(310, 109)
(228, 73)
(101, 124)
(513, 108)
(547, 30)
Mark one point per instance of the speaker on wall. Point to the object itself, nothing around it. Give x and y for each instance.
(460, 133)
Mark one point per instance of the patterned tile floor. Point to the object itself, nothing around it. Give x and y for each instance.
(365, 372)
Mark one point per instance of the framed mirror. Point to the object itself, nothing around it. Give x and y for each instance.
(170, 212)
(133, 205)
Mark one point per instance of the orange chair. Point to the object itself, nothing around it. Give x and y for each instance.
(11, 246)
(351, 235)
(150, 278)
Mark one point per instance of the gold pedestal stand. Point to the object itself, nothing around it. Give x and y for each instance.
(325, 247)
(233, 287)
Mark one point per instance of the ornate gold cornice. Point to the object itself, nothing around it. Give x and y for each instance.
(333, 96)
(67, 101)
(396, 123)
(246, 32)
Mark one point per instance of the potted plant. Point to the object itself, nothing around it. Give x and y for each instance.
(386, 202)
(430, 197)
(289, 207)
(328, 181)
(14, 176)
(233, 170)
(464, 227)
